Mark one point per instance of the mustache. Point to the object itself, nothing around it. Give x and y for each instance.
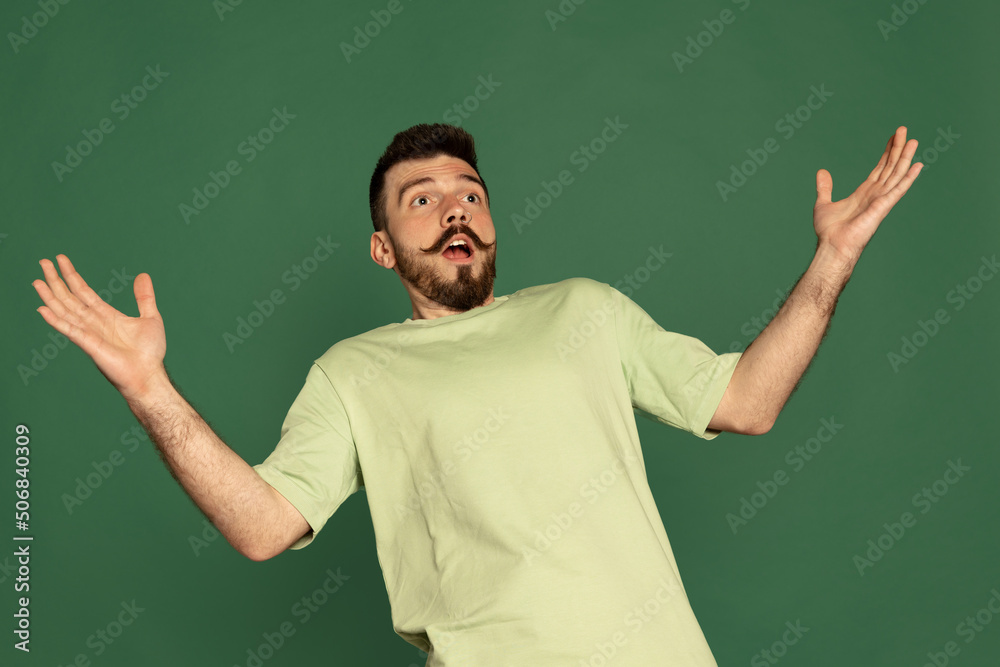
(455, 231)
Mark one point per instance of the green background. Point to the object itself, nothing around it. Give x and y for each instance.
(131, 539)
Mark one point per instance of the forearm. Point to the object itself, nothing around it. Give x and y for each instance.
(771, 367)
(232, 495)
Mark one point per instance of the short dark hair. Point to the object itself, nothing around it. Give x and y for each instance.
(418, 142)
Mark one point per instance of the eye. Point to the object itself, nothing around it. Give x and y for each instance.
(419, 198)
(473, 194)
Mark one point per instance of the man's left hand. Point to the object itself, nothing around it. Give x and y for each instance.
(846, 226)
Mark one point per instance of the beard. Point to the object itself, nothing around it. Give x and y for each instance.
(470, 288)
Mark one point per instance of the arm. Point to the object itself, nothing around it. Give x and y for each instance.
(774, 363)
(255, 519)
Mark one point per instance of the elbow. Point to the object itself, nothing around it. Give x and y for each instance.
(759, 427)
(256, 556)
(257, 552)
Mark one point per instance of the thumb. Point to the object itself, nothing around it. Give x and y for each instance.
(824, 187)
(144, 296)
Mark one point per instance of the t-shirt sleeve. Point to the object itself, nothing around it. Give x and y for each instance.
(315, 463)
(672, 378)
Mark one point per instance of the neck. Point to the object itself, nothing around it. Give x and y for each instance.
(425, 309)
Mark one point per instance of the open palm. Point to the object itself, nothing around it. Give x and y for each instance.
(129, 351)
(848, 225)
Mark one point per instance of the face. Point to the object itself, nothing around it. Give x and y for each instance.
(430, 204)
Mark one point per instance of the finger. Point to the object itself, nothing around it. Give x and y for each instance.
(56, 322)
(60, 292)
(873, 176)
(824, 187)
(55, 283)
(907, 180)
(50, 299)
(54, 306)
(144, 296)
(899, 140)
(885, 202)
(77, 284)
(80, 337)
(903, 166)
(65, 305)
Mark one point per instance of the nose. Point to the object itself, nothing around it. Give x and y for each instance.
(458, 213)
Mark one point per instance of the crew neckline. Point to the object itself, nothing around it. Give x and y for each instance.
(472, 312)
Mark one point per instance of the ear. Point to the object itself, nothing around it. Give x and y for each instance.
(382, 252)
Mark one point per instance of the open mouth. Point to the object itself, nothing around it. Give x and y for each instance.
(458, 251)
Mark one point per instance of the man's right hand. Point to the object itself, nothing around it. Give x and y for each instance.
(257, 520)
(129, 351)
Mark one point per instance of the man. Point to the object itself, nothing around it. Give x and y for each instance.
(495, 437)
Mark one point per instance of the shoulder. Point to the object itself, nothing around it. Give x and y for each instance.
(363, 345)
(571, 300)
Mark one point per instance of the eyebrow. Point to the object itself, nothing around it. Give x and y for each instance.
(424, 179)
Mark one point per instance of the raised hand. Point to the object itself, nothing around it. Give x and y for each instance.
(846, 226)
(129, 351)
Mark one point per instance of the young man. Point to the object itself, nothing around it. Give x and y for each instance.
(495, 436)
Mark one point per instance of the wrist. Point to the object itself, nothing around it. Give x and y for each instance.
(833, 265)
(155, 389)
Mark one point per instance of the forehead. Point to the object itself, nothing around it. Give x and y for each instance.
(441, 167)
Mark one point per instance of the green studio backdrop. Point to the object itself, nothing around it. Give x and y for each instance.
(217, 146)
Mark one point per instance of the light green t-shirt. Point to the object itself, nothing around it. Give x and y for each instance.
(498, 450)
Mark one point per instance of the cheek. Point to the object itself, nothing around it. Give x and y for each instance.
(484, 227)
